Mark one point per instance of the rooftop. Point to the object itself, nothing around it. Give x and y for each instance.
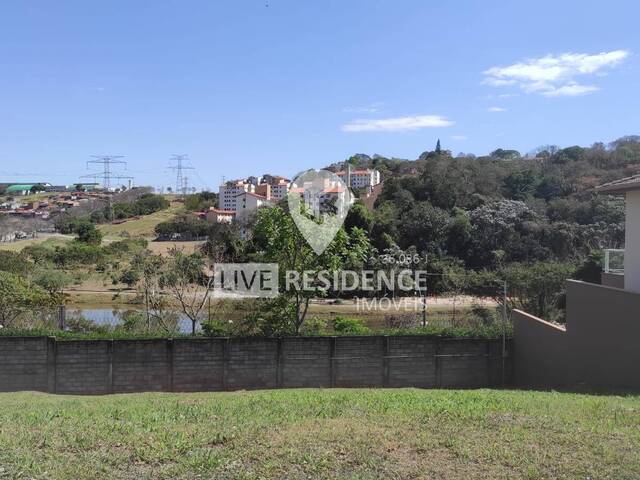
(356, 172)
(621, 186)
(222, 212)
(261, 197)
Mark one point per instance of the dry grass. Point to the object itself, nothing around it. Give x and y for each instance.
(52, 239)
(163, 248)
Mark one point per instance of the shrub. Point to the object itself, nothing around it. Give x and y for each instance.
(149, 203)
(314, 326)
(185, 225)
(13, 262)
(76, 252)
(349, 326)
(216, 328)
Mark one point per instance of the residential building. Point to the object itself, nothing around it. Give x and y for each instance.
(359, 179)
(215, 215)
(272, 187)
(248, 203)
(629, 188)
(228, 192)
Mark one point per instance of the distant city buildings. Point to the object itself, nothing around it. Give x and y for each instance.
(239, 198)
(244, 196)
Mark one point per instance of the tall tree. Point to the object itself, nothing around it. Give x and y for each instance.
(280, 241)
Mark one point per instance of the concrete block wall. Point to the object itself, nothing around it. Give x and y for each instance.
(216, 364)
(24, 364)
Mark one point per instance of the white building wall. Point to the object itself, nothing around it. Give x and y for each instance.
(632, 242)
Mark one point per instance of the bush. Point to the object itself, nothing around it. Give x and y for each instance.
(314, 326)
(87, 232)
(349, 326)
(13, 262)
(78, 253)
(188, 226)
(216, 328)
(149, 203)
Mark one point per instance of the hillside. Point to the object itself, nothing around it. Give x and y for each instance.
(140, 226)
(482, 212)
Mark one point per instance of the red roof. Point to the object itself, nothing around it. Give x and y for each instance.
(222, 212)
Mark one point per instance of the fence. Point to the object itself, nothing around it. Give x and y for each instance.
(181, 365)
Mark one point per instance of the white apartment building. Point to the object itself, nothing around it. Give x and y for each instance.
(272, 187)
(279, 190)
(247, 203)
(365, 178)
(228, 192)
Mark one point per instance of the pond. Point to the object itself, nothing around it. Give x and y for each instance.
(113, 316)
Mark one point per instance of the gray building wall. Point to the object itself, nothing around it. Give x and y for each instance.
(598, 349)
(615, 280)
(199, 364)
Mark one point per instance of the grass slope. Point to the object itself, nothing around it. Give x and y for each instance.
(321, 434)
(143, 226)
(51, 239)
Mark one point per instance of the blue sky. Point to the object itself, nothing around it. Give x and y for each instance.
(246, 87)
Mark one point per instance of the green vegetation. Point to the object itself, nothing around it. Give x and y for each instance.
(201, 201)
(130, 204)
(19, 298)
(404, 433)
(140, 227)
(186, 226)
(277, 239)
(144, 205)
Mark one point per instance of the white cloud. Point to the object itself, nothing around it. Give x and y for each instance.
(398, 124)
(371, 108)
(459, 137)
(496, 109)
(571, 90)
(554, 75)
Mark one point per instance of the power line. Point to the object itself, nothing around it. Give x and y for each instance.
(108, 174)
(178, 166)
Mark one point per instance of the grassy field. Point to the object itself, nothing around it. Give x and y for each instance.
(140, 227)
(321, 434)
(51, 239)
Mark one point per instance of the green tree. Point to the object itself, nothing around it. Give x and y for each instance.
(520, 185)
(424, 226)
(360, 217)
(537, 289)
(188, 283)
(87, 232)
(53, 282)
(278, 240)
(13, 262)
(19, 297)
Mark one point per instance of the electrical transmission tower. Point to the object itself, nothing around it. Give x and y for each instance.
(178, 166)
(108, 174)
